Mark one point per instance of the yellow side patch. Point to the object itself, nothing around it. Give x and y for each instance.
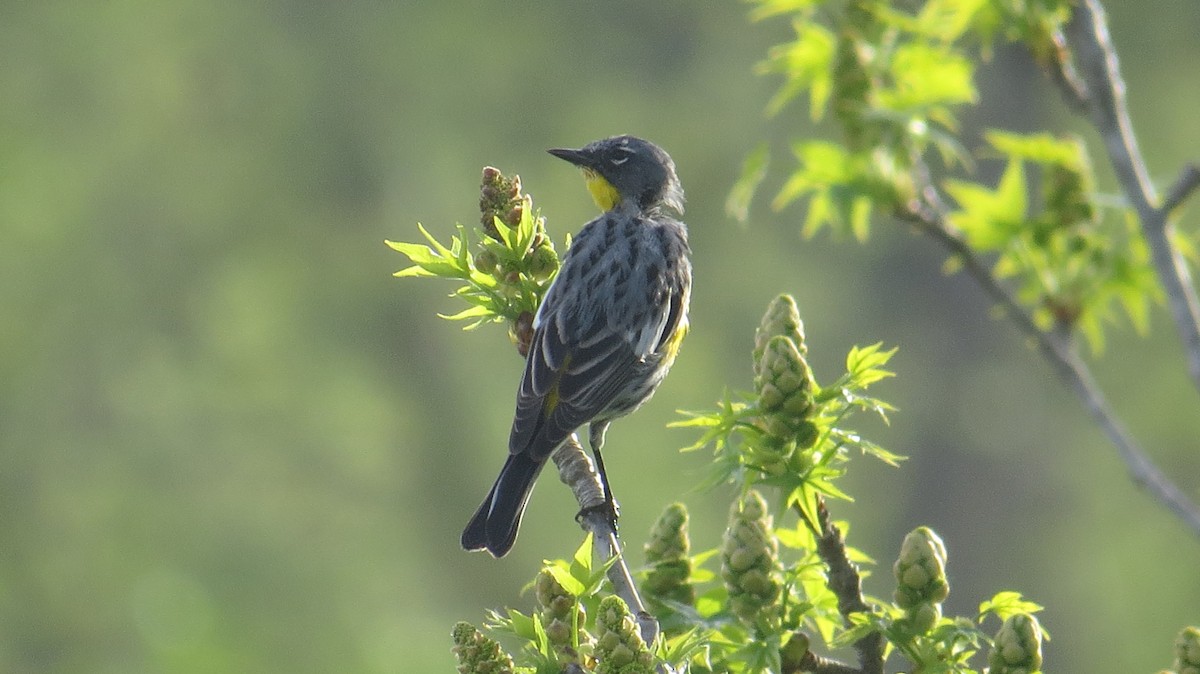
(671, 348)
(602, 191)
(551, 400)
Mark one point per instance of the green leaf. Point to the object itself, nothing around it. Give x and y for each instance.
(1007, 603)
(563, 577)
(765, 9)
(927, 77)
(991, 219)
(947, 20)
(805, 63)
(1041, 148)
(754, 169)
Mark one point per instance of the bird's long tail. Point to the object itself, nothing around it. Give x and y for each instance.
(494, 526)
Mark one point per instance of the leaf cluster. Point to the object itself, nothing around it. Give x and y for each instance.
(745, 453)
(894, 78)
(503, 270)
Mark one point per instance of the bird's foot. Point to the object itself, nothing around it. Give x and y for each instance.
(608, 510)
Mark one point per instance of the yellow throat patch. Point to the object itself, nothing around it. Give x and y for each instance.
(602, 191)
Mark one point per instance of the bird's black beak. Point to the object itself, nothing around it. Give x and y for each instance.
(576, 157)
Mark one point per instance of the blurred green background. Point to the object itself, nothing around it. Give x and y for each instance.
(231, 442)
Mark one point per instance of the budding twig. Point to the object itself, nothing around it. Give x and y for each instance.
(575, 469)
(928, 214)
(845, 582)
(1093, 61)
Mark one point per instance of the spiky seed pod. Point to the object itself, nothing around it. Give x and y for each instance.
(1018, 646)
(667, 554)
(478, 654)
(785, 391)
(619, 647)
(749, 560)
(921, 569)
(559, 613)
(1187, 651)
(782, 318)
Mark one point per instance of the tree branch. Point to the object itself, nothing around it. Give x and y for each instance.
(575, 469)
(1095, 68)
(927, 213)
(845, 582)
(1185, 184)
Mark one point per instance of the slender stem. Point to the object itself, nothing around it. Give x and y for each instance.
(1185, 185)
(928, 215)
(846, 583)
(1094, 63)
(576, 470)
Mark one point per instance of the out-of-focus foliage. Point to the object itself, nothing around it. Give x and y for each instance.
(230, 441)
(897, 83)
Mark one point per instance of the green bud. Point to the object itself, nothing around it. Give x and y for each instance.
(1018, 646)
(1187, 651)
(667, 555)
(559, 612)
(771, 453)
(925, 617)
(792, 654)
(500, 197)
(785, 389)
(478, 654)
(782, 318)
(749, 560)
(543, 262)
(921, 569)
(486, 262)
(619, 647)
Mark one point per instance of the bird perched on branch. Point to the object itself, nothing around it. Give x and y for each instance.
(607, 331)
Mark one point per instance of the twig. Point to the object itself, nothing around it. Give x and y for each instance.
(1185, 184)
(928, 214)
(845, 582)
(1094, 65)
(575, 469)
(819, 665)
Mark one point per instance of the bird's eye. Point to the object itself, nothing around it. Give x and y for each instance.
(617, 162)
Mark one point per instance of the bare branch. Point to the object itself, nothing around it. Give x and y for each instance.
(819, 665)
(845, 582)
(1185, 184)
(575, 469)
(928, 214)
(1095, 65)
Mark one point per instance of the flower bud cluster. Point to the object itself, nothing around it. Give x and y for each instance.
(1187, 651)
(1018, 646)
(619, 647)
(478, 654)
(750, 560)
(560, 614)
(921, 585)
(784, 384)
(667, 556)
(500, 198)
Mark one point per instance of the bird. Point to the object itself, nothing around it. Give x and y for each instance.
(607, 331)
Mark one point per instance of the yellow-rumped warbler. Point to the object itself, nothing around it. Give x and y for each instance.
(606, 332)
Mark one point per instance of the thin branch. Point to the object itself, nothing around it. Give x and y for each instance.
(576, 470)
(1185, 184)
(928, 215)
(819, 665)
(846, 583)
(1094, 63)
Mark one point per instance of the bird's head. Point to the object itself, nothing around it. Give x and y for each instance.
(627, 169)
